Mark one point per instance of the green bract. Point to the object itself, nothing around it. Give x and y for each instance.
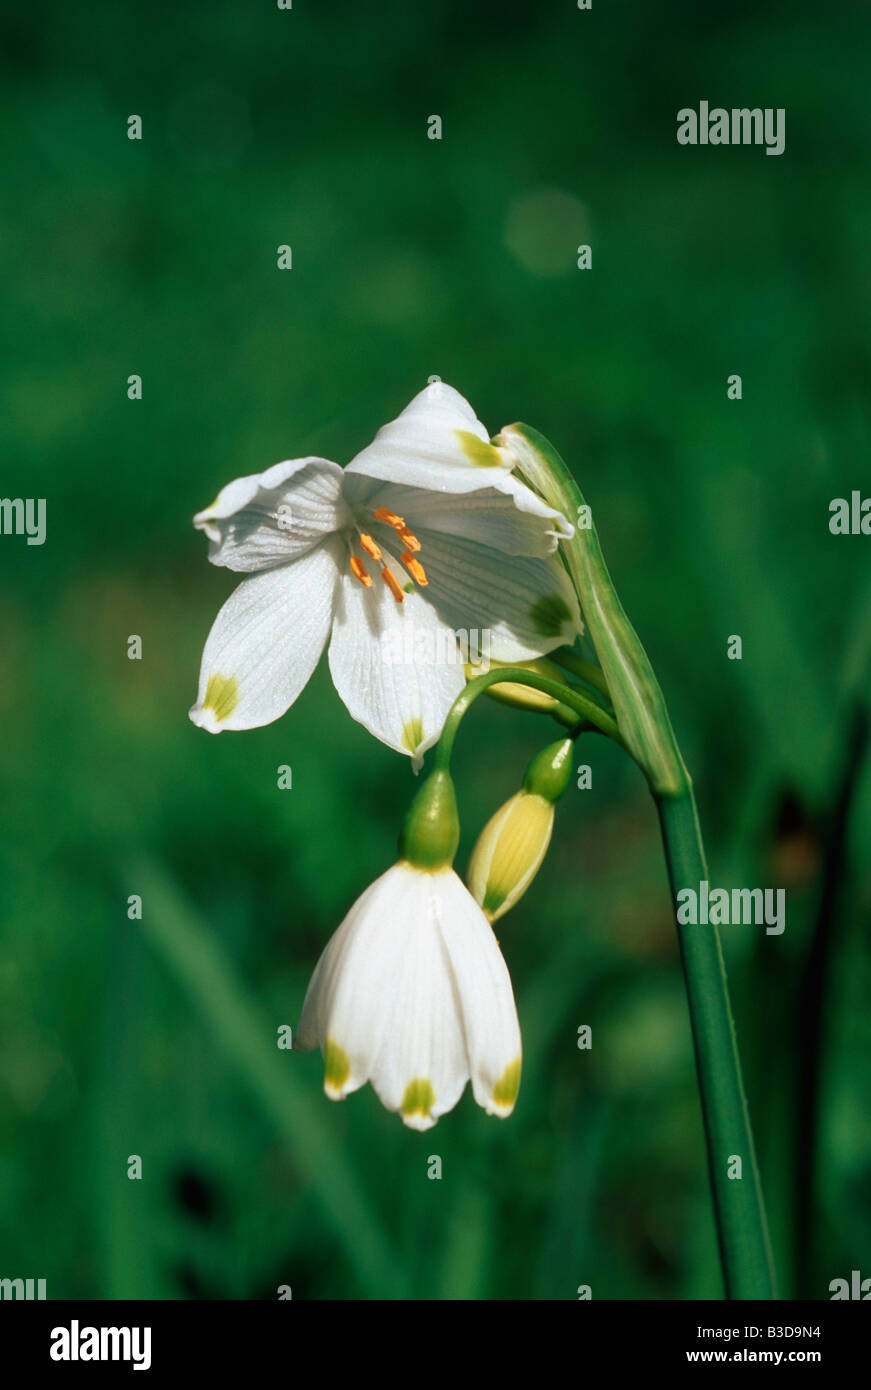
(638, 702)
(431, 832)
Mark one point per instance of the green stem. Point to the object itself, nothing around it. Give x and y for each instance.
(584, 705)
(646, 732)
(587, 671)
(748, 1268)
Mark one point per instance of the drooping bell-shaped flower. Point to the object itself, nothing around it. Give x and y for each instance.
(412, 992)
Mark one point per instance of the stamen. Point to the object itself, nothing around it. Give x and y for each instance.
(415, 569)
(409, 540)
(393, 586)
(359, 571)
(408, 537)
(371, 547)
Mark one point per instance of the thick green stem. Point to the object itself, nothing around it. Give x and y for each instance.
(646, 732)
(748, 1268)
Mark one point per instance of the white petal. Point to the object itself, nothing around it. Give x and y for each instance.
(422, 1065)
(396, 665)
(268, 518)
(266, 641)
(509, 609)
(486, 999)
(344, 1006)
(437, 443)
(508, 517)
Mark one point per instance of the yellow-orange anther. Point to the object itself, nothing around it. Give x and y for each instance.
(390, 518)
(371, 547)
(359, 571)
(408, 537)
(385, 514)
(393, 586)
(415, 569)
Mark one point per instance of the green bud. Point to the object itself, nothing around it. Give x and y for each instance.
(431, 833)
(549, 772)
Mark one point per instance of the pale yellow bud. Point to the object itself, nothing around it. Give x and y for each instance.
(509, 852)
(521, 696)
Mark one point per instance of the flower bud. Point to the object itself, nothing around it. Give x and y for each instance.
(523, 696)
(513, 843)
(431, 832)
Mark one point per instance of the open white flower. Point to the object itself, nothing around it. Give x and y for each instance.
(412, 993)
(425, 535)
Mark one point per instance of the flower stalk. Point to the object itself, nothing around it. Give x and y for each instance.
(742, 1228)
(523, 697)
(583, 705)
(645, 730)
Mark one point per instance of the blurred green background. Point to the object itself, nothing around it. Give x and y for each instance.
(411, 258)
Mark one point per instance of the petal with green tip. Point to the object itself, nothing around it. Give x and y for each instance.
(266, 641)
(396, 665)
(484, 990)
(476, 590)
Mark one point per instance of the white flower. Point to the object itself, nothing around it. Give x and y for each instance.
(425, 535)
(412, 993)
